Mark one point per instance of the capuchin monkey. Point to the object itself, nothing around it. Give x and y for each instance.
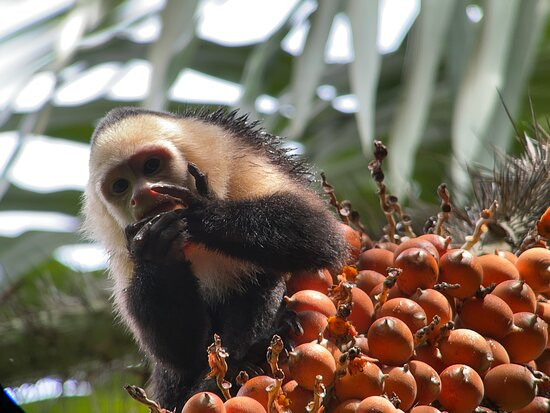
(202, 215)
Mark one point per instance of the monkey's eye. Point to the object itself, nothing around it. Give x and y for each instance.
(119, 186)
(151, 166)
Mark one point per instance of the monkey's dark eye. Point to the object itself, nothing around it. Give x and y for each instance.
(151, 166)
(120, 185)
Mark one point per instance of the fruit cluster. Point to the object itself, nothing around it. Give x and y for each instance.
(417, 324)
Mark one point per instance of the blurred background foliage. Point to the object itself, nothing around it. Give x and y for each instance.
(434, 101)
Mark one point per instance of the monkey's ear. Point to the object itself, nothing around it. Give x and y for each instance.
(201, 180)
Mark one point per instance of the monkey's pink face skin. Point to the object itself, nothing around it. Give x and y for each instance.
(129, 185)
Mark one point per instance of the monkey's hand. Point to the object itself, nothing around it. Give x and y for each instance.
(188, 197)
(156, 239)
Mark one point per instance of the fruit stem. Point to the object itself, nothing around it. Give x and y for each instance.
(446, 207)
(481, 226)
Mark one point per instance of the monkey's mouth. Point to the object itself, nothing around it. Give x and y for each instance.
(160, 208)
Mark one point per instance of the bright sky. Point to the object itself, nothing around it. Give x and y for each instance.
(44, 161)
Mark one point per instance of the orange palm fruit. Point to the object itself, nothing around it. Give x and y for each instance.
(424, 409)
(310, 300)
(367, 279)
(309, 360)
(376, 259)
(299, 397)
(489, 316)
(500, 356)
(390, 341)
(461, 389)
(318, 280)
(408, 311)
(347, 406)
(440, 243)
(255, 388)
(362, 310)
(459, 266)
(376, 404)
(400, 381)
(204, 402)
(497, 269)
(358, 385)
(419, 270)
(539, 404)
(416, 243)
(243, 404)
(428, 383)
(518, 295)
(431, 355)
(510, 386)
(534, 267)
(527, 339)
(464, 346)
(313, 323)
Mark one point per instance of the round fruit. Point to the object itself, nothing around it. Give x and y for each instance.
(517, 294)
(242, 404)
(416, 243)
(420, 270)
(431, 355)
(424, 409)
(534, 267)
(539, 404)
(433, 303)
(461, 389)
(461, 267)
(353, 239)
(408, 311)
(500, 356)
(348, 406)
(376, 259)
(510, 256)
(376, 404)
(464, 346)
(204, 402)
(318, 280)
(497, 269)
(489, 316)
(309, 360)
(390, 341)
(440, 243)
(367, 279)
(527, 339)
(299, 397)
(394, 292)
(400, 381)
(311, 300)
(363, 343)
(255, 388)
(362, 310)
(313, 323)
(510, 386)
(361, 384)
(428, 383)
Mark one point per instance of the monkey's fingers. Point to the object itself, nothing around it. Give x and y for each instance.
(201, 180)
(178, 192)
(138, 244)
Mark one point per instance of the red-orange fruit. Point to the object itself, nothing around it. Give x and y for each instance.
(500, 356)
(362, 310)
(361, 384)
(394, 292)
(510, 386)
(400, 381)
(318, 280)
(309, 360)
(204, 402)
(497, 269)
(330, 346)
(489, 316)
(543, 364)
(299, 397)
(518, 295)
(242, 404)
(539, 404)
(255, 388)
(313, 323)
(464, 346)
(376, 404)
(543, 311)
(510, 256)
(543, 224)
(433, 303)
(461, 389)
(376, 259)
(420, 270)
(428, 383)
(390, 341)
(310, 300)
(440, 243)
(416, 243)
(362, 342)
(527, 339)
(424, 409)
(534, 267)
(408, 311)
(353, 239)
(390, 246)
(431, 355)
(459, 266)
(367, 279)
(347, 406)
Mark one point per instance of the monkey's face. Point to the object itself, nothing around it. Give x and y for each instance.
(127, 186)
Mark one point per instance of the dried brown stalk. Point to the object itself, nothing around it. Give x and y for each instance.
(137, 393)
(481, 226)
(218, 365)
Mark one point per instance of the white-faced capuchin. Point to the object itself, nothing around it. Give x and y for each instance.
(202, 214)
